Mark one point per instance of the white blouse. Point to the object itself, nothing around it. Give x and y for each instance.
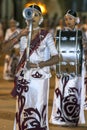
(42, 53)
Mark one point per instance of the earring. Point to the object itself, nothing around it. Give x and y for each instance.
(41, 20)
(77, 20)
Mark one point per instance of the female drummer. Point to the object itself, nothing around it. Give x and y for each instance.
(71, 20)
(69, 90)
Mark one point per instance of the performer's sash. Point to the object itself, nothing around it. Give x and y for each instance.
(35, 43)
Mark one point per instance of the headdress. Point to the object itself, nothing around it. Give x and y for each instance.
(37, 8)
(73, 14)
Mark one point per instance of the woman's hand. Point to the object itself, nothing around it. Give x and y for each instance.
(30, 65)
(24, 32)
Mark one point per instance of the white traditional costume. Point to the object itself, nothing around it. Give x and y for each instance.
(69, 97)
(68, 103)
(32, 86)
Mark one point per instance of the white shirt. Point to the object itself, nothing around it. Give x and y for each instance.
(42, 53)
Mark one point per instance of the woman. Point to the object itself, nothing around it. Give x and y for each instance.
(11, 59)
(69, 89)
(32, 77)
(71, 20)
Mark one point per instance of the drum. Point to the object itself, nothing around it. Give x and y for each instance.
(70, 50)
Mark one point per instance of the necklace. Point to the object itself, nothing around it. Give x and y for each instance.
(36, 28)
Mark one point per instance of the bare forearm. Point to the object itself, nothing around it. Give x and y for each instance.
(7, 45)
(50, 62)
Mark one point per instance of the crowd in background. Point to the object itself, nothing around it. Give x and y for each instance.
(11, 58)
(51, 23)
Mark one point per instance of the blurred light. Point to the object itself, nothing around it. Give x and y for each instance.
(41, 5)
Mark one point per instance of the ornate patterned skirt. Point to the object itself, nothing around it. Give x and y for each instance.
(85, 104)
(68, 101)
(32, 104)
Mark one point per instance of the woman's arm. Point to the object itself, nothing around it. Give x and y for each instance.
(53, 52)
(53, 60)
(5, 46)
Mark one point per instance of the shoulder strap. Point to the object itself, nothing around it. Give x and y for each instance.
(35, 43)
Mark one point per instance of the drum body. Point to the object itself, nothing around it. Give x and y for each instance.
(69, 46)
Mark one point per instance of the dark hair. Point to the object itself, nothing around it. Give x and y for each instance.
(72, 12)
(36, 7)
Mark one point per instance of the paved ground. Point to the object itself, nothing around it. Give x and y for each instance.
(7, 107)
